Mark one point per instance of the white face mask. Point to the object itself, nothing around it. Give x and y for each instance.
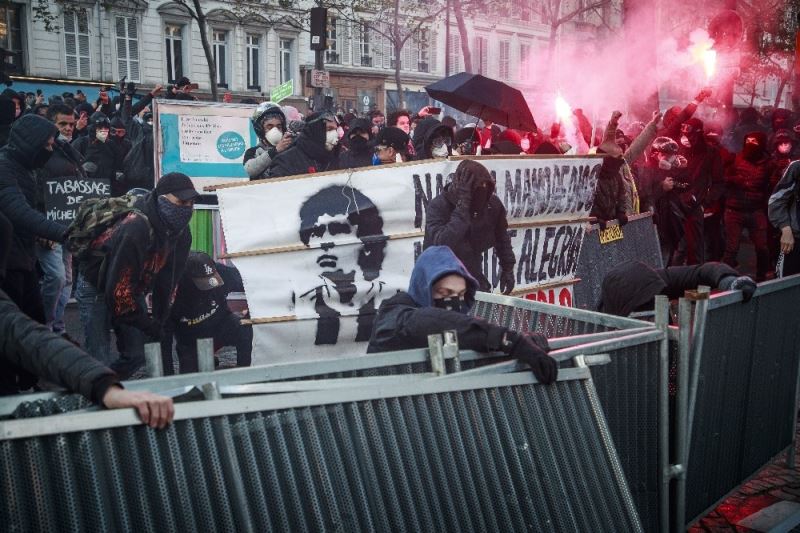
(685, 141)
(666, 164)
(64, 137)
(440, 152)
(101, 135)
(525, 144)
(785, 148)
(274, 136)
(331, 138)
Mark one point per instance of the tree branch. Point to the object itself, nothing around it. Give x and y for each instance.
(570, 16)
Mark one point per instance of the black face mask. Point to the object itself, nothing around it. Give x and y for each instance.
(453, 303)
(359, 144)
(752, 152)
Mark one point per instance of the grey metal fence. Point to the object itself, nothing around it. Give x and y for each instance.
(632, 390)
(465, 453)
(742, 398)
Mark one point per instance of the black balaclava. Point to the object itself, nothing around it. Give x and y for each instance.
(754, 151)
(176, 217)
(453, 303)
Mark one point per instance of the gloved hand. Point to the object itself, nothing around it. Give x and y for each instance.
(507, 281)
(602, 223)
(130, 90)
(703, 94)
(464, 191)
(622, 218)
(153, 329)
(741, 283)
(532, 350)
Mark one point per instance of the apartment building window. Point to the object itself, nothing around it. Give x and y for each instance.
(253, 56)
(127, 34)
(363, 53)
(524, 56)
(480, 56)
(11, 38)
(287, 64)
(505, 59)
(456, 58)
(423, 49)
(76, 44)
(332, 53)
(173, 36)
(219, 43)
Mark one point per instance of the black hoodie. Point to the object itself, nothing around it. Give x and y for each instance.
(747, 180)
(633, 285)
(137, 255)
(308, 154)
(424, 134)
(18, 191)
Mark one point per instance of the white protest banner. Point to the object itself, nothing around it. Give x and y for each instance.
(319, 253)
(204, 140)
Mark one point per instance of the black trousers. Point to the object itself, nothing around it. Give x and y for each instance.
(226, 331)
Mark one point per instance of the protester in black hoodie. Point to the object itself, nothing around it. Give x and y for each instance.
(469, 218)
(432, 139)
(315, 150)
(747, 194)
(632, 286)
(144, 251)
(6, 119)
(104, 156)
(201, 311)
(440, 294)
(359, 153)
(19, 101)
(29, 147)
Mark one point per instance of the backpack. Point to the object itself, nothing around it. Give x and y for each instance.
(95, 216)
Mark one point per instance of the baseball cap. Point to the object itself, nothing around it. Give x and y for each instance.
(178, 184)
(203, 272)
(392, 137)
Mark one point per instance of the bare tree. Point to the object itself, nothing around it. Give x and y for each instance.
(195, 10)
(552, 14)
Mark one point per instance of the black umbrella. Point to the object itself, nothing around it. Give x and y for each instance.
(484, 98)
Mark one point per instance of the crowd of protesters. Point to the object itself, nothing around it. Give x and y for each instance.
(705, 183)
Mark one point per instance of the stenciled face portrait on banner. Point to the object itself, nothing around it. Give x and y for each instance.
(344, 276)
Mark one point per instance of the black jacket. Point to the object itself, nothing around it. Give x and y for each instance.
(26, 345)
(784, 204)
(201, 311)
(132, 261)
(450, 224)
(633, 285)
(356, 159)
(18, 191)
(405, 320)
(610, 193)
(747, 183)
(307, 155)
(108, 157)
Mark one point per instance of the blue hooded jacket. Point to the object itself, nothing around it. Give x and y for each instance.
(432, 265)
(405, 320)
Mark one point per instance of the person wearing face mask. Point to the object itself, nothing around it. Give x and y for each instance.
(466, 141)
(441, 292)
(143, 251)
(469, 218)
(703, 176)
(391, 146)
(269, 123)
(316, 148)
(359, 143)
(659, 184)
(137, 166)
(19, 101)
(747, 193)
(30, 147)
(432, 139)
(104, 157)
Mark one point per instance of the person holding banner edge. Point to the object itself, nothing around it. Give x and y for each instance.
(441, 292)
(469, 218)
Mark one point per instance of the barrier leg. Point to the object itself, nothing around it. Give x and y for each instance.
(698, 338)
(681, 408)
(790, 455)
(205, 355)
(662, 323)
(154, 366)
(437, 355)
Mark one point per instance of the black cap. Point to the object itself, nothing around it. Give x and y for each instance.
(200, 267)
(178, 184)
(182, 82)
(393, 137)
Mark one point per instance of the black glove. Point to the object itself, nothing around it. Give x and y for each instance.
(507, 280)
(131, 89)
(602, 224)
(622, 218)
(532, 350)
(741, 283)
(153, 329)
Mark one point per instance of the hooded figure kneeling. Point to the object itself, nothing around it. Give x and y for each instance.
(440, 294)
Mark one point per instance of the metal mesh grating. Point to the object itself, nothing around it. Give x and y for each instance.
(508, 458)
(523, 320)
(743, 414)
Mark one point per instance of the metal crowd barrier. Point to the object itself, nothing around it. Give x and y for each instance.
(743, 386)
(632, 389)
(494, 452)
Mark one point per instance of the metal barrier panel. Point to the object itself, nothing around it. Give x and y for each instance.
(628, 389)
(639, 243)
(487, 453)
(743, 414)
